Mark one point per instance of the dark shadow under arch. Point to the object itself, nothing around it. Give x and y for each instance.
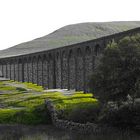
(97, 50)
(40, 71)
(88, 50)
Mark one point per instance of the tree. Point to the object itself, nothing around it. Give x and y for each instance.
(118, 73)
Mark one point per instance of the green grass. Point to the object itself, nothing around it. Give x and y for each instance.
(4, 87)
(29, 107)
(34, 87)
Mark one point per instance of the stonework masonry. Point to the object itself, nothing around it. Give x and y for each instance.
(86, 128)
(68, 67)
(68, 125)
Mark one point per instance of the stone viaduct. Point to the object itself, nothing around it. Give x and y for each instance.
(68, 67)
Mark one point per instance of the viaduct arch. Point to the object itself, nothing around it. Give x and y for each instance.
(68, 67)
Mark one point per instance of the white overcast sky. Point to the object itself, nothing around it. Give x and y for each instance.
(24, 20)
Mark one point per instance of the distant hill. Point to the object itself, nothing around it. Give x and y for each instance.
(68, 35)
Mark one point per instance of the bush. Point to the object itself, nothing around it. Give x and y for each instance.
(118, 73)
(83, 115)
(20, 89)
(127, 116)
(38, 115)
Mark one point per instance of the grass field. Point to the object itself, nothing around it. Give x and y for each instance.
(26, 104)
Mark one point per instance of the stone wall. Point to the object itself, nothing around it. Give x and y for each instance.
(69, 125)
(86, 128)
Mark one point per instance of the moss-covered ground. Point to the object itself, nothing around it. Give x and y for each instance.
(26, 104)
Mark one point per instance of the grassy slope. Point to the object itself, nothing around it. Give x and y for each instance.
(18, 105)
(68, 35)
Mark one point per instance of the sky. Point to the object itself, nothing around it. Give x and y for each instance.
(25, 20)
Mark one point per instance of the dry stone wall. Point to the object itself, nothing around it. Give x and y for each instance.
(69, 125)
(87, 128)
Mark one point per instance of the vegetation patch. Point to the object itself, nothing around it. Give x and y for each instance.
(34, 87)
(116, 83)
(27, 107)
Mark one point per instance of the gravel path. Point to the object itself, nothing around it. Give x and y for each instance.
(4, 79)
(63, 91)
(16, 84)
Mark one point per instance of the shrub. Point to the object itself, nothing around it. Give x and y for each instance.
(20, 89)
(83, 115)
(118, 73)
(126, 116)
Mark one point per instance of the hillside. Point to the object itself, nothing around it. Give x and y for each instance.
(68, 35)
